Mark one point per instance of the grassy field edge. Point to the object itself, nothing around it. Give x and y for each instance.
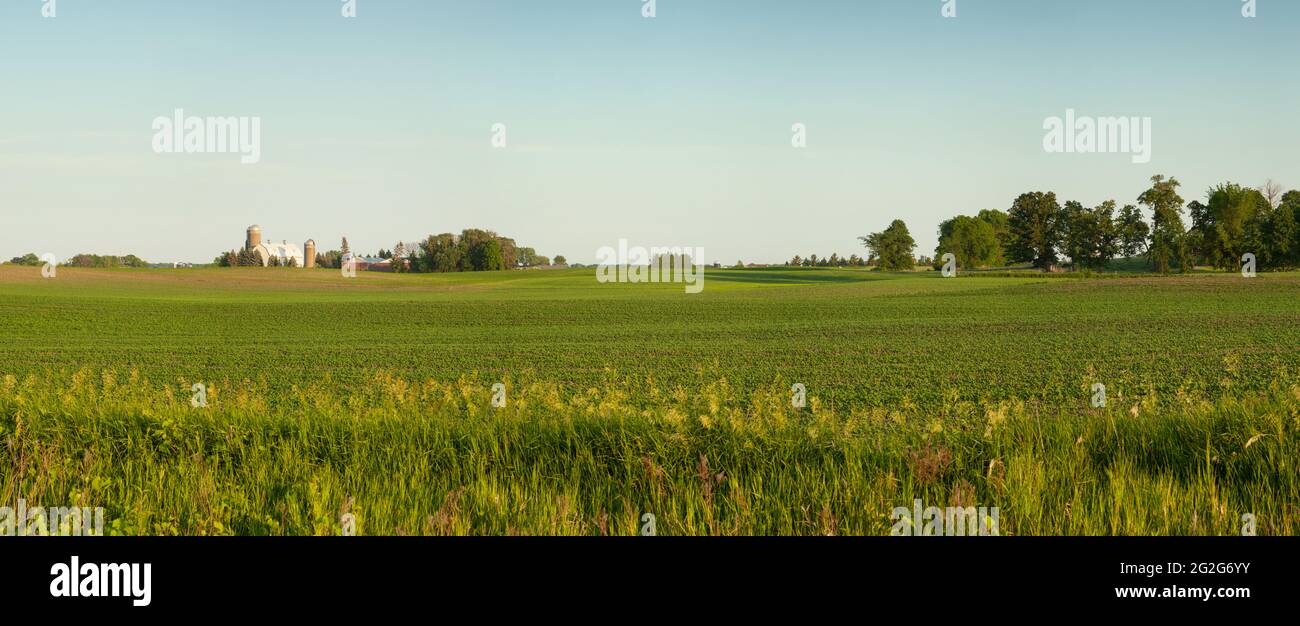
(435, 457)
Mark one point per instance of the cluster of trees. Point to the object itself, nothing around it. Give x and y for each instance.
(30, 260)
(474, 250)
(332, 258)
(834, 260)
(239, 258)
(1236, 220)
(248, 258)
(84, 260)
(890, 249)
(1041, 231)
(95, 260)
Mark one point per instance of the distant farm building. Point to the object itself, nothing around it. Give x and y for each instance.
(283, 253)
(372, 263)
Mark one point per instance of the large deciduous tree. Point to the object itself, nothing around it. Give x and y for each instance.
(1234, 224)
(1092, 237)
(485, 255)
(1001, 223)
(1167, 232)
(440, 253)
(1035, 220)
(1282, 248)
(1133, 231)
(973, 241)
(1291, 203)
(398, 258)
(509, 253)
(892, 246)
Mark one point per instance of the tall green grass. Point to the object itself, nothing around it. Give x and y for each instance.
(434, 457)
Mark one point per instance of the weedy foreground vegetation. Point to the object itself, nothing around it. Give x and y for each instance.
(372, 398)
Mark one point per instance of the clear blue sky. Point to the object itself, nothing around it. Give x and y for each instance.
(666, 131)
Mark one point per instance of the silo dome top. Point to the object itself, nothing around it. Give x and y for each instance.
(254, 227)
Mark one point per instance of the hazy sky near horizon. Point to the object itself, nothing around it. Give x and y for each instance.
(672, 130)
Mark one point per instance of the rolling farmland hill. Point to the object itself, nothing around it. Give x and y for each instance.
(372, 396)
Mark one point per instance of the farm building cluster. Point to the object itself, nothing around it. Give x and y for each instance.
(283, 253)
(290, 255)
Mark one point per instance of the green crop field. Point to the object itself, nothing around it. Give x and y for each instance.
(371, 397)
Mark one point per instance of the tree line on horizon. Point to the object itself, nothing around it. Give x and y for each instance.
(84, 260)
(1039, 230)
